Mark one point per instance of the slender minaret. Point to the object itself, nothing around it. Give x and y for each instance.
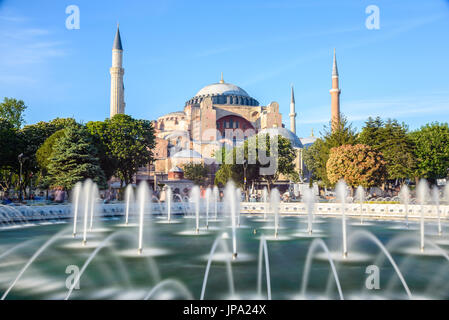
(117, 72)
(335, 97)
(292, 113)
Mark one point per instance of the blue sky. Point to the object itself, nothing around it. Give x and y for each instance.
(174, 48)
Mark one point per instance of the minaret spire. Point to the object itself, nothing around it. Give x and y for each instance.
(117, 72)
(334, 66)
(335, 97)
(292, 114)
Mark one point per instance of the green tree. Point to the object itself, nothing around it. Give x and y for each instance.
(197, 172)
(74, 159)
(372, 134)
(233, 167)
(9, 142)
(125, 145)
(392, 140)
(431, 150)
(225, 174)
(316, 156)
(358, 165)
(12, 110)
(44, 154)
(31, 139)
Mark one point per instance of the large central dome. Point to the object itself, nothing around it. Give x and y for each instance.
(224, 93)
(222, 89)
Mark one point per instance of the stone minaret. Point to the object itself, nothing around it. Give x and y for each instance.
(117, 72)
(292, 114)
(335, 97)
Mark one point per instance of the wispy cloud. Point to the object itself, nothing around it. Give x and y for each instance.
(392, 31)
(25, 44)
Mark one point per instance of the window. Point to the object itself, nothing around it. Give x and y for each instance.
(231, 124)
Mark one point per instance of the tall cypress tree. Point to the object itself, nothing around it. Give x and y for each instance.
(74, 159)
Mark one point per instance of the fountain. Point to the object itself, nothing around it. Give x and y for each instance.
(129, 198)
(216, 198)
(208, 193)
(195, 197)
(309, 198)
(341, 195)
(51, 248)
(76, 203)
(265, 201)
(169, 199)
(360, 195)
(274, 205)
(143, 196)
(436, 203)
(422, 195)
(230, 199)
(93, 203)
(404, 195)
(87, 196)
(238, 198)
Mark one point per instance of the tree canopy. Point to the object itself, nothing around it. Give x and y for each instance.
(431, 149)
(282, 161)
(358, 165)
(125, 145)
(12, 110)
(316, 156)
(393, 141)
(74, 159)
(197, 172)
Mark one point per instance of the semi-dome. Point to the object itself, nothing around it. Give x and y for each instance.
(294, 140)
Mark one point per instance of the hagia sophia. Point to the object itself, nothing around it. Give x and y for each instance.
(217, 114)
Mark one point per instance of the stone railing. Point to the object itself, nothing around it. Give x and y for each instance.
(352, 209)
(23, 214)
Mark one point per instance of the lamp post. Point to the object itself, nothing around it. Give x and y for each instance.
(20, 157)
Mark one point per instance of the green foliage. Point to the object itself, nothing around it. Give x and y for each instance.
(9, 150)
(233, 168)
(358, 165)
(125, 144)
(432, 150)
(12, 110)
(316, 156)
(31, 139)
(393, 141)
(225, 174)
(197, 172)
(44, 154)
(75, 159)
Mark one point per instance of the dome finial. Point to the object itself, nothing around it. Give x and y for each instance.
(221, 80)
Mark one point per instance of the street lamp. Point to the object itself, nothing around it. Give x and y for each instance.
(20, 157)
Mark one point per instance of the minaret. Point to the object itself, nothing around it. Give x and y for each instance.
(292, 114)
(335, 97)
(117, 72)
